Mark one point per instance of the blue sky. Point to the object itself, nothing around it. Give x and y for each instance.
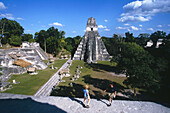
(112, 16)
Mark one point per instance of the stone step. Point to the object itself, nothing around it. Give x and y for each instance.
(47, 86)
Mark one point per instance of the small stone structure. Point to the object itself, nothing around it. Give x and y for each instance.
(77, 74)
(31, 70)
(91, 47)
(150, 43)
(65, 71)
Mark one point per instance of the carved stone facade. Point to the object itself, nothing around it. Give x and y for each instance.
(91, 47)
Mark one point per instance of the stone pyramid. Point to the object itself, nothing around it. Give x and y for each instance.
(91, 47)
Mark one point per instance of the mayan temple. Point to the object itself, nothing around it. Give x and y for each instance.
(91, 47)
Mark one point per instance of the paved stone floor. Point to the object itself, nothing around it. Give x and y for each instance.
(10, 103)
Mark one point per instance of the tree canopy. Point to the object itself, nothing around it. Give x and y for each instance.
(157, 35)
(27, 37)
(9, 28)
(51, 40)
(137, 63)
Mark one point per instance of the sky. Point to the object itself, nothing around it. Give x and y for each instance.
(112, 16)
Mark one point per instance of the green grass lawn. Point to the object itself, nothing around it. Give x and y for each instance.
(29, 84)
(95, 75)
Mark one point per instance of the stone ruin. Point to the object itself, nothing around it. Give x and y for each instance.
(91, 47)
(18, 60)
(77, 74)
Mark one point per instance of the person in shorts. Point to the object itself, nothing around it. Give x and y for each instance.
(86, 96)
(112, 93)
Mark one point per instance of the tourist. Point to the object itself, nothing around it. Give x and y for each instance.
(112, 93)
(86, 96)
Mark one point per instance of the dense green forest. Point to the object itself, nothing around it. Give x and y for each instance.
(146, 68)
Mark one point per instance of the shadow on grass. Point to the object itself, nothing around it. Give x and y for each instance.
(69, 91)
(103, 84)
(76, 91)
(99, 84)
(161, 97)
(102, 67)
(27, 105)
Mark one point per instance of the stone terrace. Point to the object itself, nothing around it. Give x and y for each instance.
(11, 103)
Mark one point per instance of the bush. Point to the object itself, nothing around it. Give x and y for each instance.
(15, 40)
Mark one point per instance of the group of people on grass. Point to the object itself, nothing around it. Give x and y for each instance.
(112, 94)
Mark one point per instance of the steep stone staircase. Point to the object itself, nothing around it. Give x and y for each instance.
(41, 53)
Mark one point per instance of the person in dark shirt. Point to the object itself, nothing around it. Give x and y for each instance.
(112, 93)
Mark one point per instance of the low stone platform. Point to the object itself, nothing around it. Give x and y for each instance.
(11, 103)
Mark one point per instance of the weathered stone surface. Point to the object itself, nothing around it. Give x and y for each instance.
(30, 52)
(91, 47)
(11, 103)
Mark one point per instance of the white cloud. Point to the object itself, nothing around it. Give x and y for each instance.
(129, 28)
(106, 29)
(2, 6)
(150, 29)
(56, 24)
(84, 30)
(28, 30)
(122, 27)
(101, 26)
(32, 24)
(134, 28)
(7, 15)
(106, 20)
(169, 25)
(140, 25)
(160, 30)
(145, 9)
(126, 24)
(125, 19)
(159, 25)
(20, 19)
(43, 26)
(74, 32)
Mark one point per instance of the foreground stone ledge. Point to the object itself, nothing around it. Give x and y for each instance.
(24, 103)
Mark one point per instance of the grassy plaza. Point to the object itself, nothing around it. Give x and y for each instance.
(97, 76)
(29, 84)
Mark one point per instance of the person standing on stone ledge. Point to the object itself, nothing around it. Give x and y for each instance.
(112, 93)
(86, 96)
